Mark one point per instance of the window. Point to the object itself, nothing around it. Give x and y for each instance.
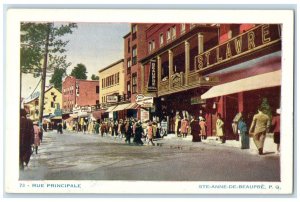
(168, 35)
(128, 62)
(150, 46)
(118, 78)
(128, 90)
(134, 55)
(52, 104)
(102, 83)
(128, 46)
(133, 31)
(97, 102)
(182, 28)
(161, 40)
(134, 83)
(97, 89)
(153, 45)
(173, 32)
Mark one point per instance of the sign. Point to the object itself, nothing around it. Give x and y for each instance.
(112, 98)
(152, 83)
(250, 41)
(146, 102)
(197, 100)
(144, 115)
(139, 97)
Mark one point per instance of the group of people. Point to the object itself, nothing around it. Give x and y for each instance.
(31, 135)
(261, 124)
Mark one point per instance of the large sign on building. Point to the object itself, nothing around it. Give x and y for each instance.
(248, 42)
(152, 83)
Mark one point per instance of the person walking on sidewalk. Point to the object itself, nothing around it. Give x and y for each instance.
(26, 139)
(203, 128)
(184, 127)
(220, 128)
(243, 131)
(150, 133)
(37, 140)
(195, 130)
(128, 131)
(276, 129)
(138, 133)
(259, 128)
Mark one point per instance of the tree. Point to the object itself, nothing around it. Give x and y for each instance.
(79, 72)
(42, 48)
(56, 78)
(94, 77)
(35, 37)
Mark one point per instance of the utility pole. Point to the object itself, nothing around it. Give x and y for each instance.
(43, 82)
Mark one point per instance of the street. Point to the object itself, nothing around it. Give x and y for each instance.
(78, 156)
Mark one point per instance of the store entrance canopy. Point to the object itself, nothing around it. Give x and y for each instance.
(110, 109)
(121, 107)
(266, 80)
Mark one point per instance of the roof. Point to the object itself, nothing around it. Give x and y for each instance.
(111, 65)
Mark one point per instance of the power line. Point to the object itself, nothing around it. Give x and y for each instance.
(35, 87)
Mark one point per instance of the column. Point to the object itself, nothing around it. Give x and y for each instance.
(200, 43)
(142, 78)
(170, 67)
(158, 71)
(187, 62)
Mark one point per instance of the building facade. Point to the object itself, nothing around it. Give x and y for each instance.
(135, 48)
(205, 69)
(52, 104)
(77, 93)
(168, 71)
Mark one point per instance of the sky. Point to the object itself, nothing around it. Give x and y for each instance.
(96, 45)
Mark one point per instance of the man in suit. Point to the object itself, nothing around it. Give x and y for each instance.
(259, 127)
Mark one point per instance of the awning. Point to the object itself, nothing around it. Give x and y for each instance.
(121, 107)
(266, 80)
(97, 114)
(133, 106)
(111, 108)
(56, 118)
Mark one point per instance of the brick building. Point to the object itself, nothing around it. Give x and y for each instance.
(77, 93)
(205, 69)
(135, 48)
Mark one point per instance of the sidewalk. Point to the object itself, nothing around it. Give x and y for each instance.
(269, 145)
(173, 141)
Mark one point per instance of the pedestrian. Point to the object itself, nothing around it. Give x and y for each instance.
(243, 132)
(59, 128)
(138, 133)
(154, 128)
(203, 128)
(26, 139)
(276, 129)
(259, 128)
(37, 140)
(128, 131)
(41, 134)
(122, 128)
(84, 126)
(103, 128)
(150, 133)
(195, 130)
(220, 128)
(184, 127)
(97, 126)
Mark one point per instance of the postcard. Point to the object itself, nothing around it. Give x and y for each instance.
(149, 101)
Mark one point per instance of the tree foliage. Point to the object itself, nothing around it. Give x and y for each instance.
(33, 41)
(56, 78)
(94, 77)
(79, 72)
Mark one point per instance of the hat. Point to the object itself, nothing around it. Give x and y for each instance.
(278, 111)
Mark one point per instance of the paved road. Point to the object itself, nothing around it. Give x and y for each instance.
(73, 156)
